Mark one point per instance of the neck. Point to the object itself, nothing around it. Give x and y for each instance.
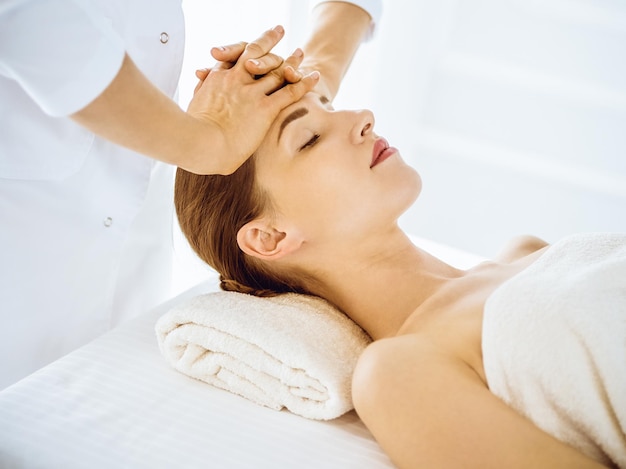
(380, 284)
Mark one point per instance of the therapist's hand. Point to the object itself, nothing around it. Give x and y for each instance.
(262, 66)
(238, 107)
(269, 63)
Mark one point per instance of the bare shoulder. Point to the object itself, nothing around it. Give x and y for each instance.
(408, 359)
(519, 247)
(388, 355)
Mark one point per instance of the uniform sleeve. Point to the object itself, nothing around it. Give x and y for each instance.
(373, 7)
(61, 53)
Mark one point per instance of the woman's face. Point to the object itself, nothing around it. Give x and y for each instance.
(327, 171)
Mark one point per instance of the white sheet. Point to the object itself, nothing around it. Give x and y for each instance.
(116, 403)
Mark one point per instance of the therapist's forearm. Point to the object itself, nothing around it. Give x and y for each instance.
(338, 30)
(134, 113)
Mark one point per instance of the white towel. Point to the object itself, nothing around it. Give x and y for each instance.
(554, 344)
(290, 351)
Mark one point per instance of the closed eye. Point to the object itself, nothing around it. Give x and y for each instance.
(310, 143)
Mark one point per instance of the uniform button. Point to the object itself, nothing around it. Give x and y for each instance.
(108, 221)
(164, 38)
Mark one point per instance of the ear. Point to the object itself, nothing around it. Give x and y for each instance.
(263, 241)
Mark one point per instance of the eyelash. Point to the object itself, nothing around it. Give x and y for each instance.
(310, 143)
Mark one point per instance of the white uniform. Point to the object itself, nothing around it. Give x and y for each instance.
(84, 243)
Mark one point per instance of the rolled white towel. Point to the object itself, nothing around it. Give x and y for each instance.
(290, 351)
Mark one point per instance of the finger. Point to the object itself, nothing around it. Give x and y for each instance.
(291, 72)
(295, 59)
(230, 53)
(287, 73)
(263, 65)
(292, 75)
(291, 93)
(263, 44)
(201, 76)
(276, 79)
(202, 73)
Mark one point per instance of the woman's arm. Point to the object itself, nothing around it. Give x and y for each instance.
(427, 409)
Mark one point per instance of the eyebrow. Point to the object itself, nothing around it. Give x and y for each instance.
(297, 114)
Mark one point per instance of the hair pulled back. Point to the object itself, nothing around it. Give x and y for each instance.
(211, 209)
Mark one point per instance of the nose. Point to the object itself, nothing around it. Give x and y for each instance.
(363, 125)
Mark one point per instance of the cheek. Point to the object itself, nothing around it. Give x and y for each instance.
(353, 197)
(314, 197)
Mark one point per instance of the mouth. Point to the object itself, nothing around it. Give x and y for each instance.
(381, 152)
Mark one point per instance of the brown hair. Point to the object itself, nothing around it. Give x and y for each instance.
(211, 210)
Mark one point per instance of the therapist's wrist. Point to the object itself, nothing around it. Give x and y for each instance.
(203, 148)
(338, 30)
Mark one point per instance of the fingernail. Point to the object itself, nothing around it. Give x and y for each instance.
(315, 75)
(222, 48)
(298, 52)
(279, 29)
(254, 61)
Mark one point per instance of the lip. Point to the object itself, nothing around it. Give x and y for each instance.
(381, 151)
